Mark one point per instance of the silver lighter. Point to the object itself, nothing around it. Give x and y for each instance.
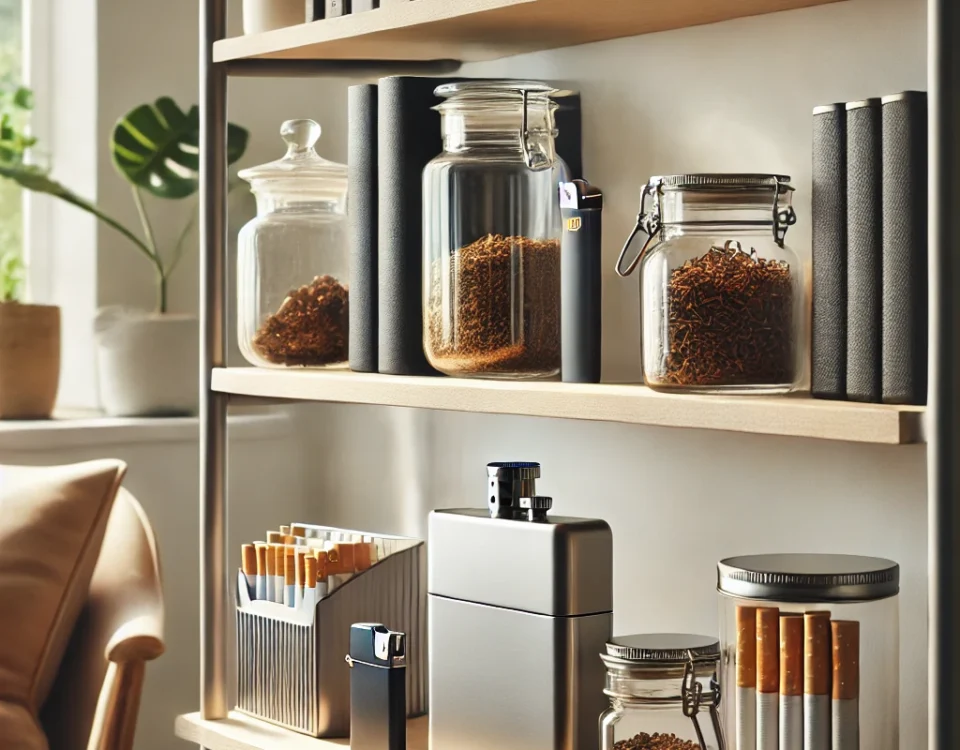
(520, 607)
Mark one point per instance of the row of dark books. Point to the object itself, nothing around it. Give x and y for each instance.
(393, 133)
(869, 338)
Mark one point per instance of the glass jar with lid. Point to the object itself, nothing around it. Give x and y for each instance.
(491, 233)
(664, 693)
(721, 293)
(292, 295)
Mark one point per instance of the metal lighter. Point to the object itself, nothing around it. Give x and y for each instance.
(581, 207)
(378, 688)
(520, 606)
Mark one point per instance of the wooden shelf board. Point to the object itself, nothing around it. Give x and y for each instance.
(241, 732)
(472, 30)
(796, 415)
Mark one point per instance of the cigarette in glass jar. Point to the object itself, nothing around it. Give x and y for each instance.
(279, 584)
(299, 578)
(768, 678)
(791, 682)
(310, 582)
(289, 575)
(249, 560)
(746, 678)
(816, 681)
(846, 684)
(321, 557)
(261, 579)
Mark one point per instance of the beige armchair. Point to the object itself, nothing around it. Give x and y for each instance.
(96, 696)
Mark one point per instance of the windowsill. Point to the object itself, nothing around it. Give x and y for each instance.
(73, 429)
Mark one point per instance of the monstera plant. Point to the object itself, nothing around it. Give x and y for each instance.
(155, 148)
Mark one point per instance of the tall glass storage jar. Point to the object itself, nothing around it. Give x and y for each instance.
(491, 233)
(811, 651)
(292, 296)
(721, 293)
(664, 693)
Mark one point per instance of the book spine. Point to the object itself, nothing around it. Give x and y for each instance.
(864, 243)
(904, 328)
(828, 367)
(362, 160)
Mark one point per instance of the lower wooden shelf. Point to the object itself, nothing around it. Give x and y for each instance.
(796, 415)
(241, 732)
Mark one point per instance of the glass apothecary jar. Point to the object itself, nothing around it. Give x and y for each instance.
(811, 648)
(664, 693)
(721, 294)
(491, 233)
(292, 297)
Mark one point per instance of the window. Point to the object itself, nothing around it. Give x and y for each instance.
(11, 73)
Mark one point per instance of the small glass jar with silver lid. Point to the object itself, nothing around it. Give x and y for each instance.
(811, 651)
(664, 693)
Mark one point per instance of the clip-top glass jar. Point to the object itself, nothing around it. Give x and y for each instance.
(491, 233)
(664, 693)
(292, 298)
(721, 294)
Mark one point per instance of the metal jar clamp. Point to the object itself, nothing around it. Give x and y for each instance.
(651, 222)
(694, 698)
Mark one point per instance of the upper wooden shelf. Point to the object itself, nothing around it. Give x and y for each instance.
(799, 416)
(470, 30)
(241, 732)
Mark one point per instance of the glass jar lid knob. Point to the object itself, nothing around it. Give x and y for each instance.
(300, 135)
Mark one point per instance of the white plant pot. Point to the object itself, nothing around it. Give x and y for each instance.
(266, 15)
(148, 364)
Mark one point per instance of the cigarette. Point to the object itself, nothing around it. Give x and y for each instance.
(289, 540)
(279, 584)
(261, 579)
(271, 571)
(362, 559)
(298, 530)
(321, 558)
(768, 678)
(746, 678)
(289, 575)
(299, 578)
(348, 557)
(846, 684)
(249, 558)
(310, 582)
(791, 682)
(816, 681)
(274, 537)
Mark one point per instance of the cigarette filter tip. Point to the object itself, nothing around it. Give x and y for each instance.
(298, 530)
(301, 567)
(274, 537)
(791, 655)
(289, 566)
(768, 650)
(816, 653)
(249, 559)
(271, 556)
(261, 559)
(746, 646)
(285, 530)
(310, 570)
(846, 659)
(289, 539)
(347, 552)
(362, 557)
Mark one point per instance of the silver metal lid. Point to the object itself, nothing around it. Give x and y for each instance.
(808, 578)
(724, 181)
(662, 648)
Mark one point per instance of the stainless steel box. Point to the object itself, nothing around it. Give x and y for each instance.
(519, 612)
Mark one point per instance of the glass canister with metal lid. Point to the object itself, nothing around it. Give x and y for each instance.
(664, 693)
(811, 652)
(491, 233)
(721, 293)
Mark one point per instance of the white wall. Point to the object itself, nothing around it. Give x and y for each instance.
(734, 96)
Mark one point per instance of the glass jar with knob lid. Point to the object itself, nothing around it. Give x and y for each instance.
(664, 693)
(292, 295)
(721, 293)
(491, 233)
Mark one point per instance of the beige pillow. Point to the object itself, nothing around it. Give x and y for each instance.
(52, 521)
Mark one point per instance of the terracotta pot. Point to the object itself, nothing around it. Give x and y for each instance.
(29, 360)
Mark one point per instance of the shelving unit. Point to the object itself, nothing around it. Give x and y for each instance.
(435, 32)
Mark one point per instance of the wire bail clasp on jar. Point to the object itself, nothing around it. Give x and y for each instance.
(693, 697)
(651, 222)
(533, 157)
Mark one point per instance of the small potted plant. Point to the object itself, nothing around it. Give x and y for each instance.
(147, 359)
(29, 348)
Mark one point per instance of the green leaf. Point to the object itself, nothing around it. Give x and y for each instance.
(156, 147)
(23, 98)
(12, 276)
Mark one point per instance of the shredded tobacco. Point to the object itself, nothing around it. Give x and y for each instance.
(656, 741)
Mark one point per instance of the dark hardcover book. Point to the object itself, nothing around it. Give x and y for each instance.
(828, 364)
(315, 10)
(864, 250)
(409, 137)
(362, 158)
(904, 308)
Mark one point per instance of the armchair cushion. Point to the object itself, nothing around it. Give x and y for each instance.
(52, 522)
